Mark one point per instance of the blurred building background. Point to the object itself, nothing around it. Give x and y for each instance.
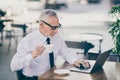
(20, 17)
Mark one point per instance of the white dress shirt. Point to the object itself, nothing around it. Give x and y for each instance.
(37, 66)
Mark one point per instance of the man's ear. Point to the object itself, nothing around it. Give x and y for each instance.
(41, 24)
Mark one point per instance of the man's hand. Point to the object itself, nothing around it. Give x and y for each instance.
(84, 63)
(38, 51)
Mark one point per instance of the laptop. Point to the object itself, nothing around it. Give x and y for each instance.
(97, 65)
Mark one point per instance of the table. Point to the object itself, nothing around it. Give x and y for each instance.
(2, 25)
(23, 26)
(5, 20)
(111, 71)
(87, 37)
(22, 21)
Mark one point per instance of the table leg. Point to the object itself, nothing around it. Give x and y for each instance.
(100, 41)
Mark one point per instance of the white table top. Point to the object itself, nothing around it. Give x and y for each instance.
(85, 37)
(23, 19)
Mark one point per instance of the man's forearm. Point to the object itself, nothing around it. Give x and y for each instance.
(18, 63)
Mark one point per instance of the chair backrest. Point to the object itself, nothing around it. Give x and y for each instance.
(1, 25)
(92, 55)
(2, 13)
(86, 46)
(20, 76)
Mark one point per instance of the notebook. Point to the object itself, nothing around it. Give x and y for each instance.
(96, 65)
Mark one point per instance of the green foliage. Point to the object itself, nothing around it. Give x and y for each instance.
(115, 29)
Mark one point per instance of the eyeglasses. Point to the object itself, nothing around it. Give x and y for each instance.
(52, 27)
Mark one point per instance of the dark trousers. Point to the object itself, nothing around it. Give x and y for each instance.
(20, 76)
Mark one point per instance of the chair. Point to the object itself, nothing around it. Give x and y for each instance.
(2, 13)
(1, 28)
(20, 76)
(86, 46)
(112, 57)
(92, 56)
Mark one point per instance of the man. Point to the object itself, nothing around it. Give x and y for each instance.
(31, 57)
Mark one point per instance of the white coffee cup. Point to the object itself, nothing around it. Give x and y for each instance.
(49, 48)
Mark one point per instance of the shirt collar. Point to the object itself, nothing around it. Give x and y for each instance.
(41, 36)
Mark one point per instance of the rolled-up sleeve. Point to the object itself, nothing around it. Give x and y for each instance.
(67, 53)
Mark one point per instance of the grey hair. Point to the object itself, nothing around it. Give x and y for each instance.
(45, 14)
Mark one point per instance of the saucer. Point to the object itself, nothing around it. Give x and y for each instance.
(62, 71)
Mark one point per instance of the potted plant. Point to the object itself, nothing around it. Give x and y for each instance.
(114, 29)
